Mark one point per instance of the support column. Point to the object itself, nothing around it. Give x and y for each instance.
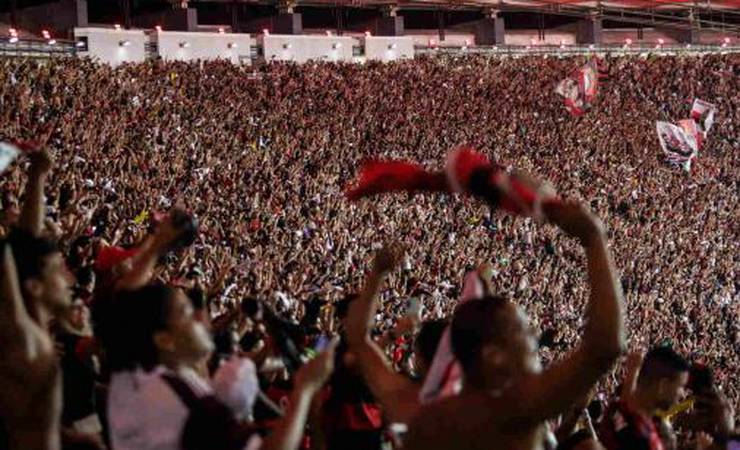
(590, 31)
(686, 36)
(391, 24)
(14, 13)
(59, 17)
(441, 24)
(491, 29)
(125, 6)
(288, 24)
(234, 10)
(171, 20)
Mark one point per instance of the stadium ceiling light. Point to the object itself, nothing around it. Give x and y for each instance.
(124, 43)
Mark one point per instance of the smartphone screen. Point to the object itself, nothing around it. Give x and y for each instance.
(321, 343)
(414, 307)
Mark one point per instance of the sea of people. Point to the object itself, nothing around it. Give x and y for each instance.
(125, 161)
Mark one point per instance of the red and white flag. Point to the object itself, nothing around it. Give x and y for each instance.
(444, 378)
(703, 113)
(679, 145)
(579, 90)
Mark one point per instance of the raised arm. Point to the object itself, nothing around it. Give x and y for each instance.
(554, 391)
(308, 382)
(30, 390)
(144, 262)
(34, 211)
(397, 394)
(361, 315)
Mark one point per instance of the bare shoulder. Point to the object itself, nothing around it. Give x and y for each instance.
(429, 429)
(454, 413)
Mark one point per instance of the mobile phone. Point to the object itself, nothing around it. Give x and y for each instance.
(414, 307)
(321, 343)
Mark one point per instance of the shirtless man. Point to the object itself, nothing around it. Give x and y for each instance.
(507, 396)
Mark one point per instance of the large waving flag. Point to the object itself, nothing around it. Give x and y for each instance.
(679, 146)
(681, 142)
(702, 113)
(579, 89)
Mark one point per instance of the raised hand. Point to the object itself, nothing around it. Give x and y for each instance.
(41, 161)
(387, 258)
(575, 219)
(314, 374)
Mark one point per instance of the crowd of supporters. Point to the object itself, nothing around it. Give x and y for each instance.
(172, 335)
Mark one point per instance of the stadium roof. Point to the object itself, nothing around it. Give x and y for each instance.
(703, 5)
(714, 15)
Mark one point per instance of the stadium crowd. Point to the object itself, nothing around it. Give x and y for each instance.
(261, 157)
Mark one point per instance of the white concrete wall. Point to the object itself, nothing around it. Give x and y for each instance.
(187, 46)
(105, 45)
(278, 47)
(421, 38)
(526, 37)
(388, 48)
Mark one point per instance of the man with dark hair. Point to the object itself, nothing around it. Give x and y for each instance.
(45, 281)
(426, 343)
(350, 414)
(507, 396)
(36, 288)
(662, 380)
(655, 385)
(397, 393)
(30, 385)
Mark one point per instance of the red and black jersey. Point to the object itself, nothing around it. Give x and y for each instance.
(624, 428)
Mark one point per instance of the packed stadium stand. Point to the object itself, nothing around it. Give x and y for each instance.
(423, 225)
